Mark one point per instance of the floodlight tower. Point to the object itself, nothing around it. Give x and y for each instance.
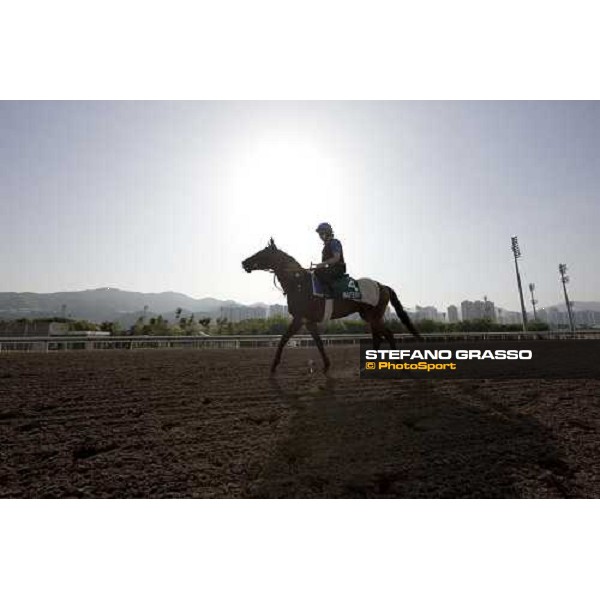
(562, 269)
(517, 254)
(533, 300)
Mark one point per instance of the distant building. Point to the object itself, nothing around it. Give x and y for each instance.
(553, 317)
(587, 318)
(489, 310)
(477, 310)
(278, 310)
(452, 314)
(423, 313)
(556, 318)
(509, 317)
(234, 314)
(468, 311)
(37, 328)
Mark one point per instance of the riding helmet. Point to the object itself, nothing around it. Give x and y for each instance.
(324, 227)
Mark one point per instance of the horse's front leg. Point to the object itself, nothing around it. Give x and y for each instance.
(314, 331)
(292, 329)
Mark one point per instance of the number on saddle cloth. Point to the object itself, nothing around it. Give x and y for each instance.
(345, 287)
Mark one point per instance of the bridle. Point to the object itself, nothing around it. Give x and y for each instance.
(275, 283)
(281, 269)
(272, 270)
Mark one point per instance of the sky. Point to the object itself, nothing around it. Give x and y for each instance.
(425, 196)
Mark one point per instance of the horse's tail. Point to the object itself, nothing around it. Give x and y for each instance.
(402, 313)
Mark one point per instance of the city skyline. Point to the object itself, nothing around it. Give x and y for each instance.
(425, 196)
(113, 304)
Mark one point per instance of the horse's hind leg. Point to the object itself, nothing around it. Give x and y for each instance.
(380, 331)
(377, 334)
(376, 339)
(380, 320)
(389, 336)
(367, 315)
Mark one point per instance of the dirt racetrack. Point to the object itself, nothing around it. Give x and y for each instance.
(212, 423)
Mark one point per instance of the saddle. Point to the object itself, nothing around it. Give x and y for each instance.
(345, 288)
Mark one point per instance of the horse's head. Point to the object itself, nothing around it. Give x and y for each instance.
(265, 259)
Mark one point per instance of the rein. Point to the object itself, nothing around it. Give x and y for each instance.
(283, 268)
(290, 269)
(276, 286)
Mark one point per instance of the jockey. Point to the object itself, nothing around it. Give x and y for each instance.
(332, 266)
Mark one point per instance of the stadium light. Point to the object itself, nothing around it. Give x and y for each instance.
(515, 246)
(517, 254)
(562, 269)
(533, 300)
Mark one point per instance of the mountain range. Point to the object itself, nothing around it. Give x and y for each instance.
(113, 304)
(108, 304)
(577, 306)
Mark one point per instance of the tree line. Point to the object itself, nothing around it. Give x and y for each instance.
(271, 326)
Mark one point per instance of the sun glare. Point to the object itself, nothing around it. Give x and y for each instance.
(282, 180)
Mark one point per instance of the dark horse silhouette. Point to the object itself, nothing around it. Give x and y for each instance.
(309, 310)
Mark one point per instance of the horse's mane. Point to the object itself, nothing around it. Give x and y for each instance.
(292, 262)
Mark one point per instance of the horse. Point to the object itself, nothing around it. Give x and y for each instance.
(308, 309)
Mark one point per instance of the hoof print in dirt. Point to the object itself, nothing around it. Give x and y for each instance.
(89, 449)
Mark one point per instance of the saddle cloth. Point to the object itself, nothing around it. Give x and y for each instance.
(362, 290)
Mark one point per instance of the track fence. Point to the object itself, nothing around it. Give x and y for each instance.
(72, 343)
